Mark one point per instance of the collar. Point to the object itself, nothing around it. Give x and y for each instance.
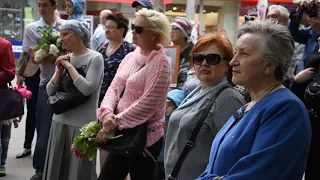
(56, 23)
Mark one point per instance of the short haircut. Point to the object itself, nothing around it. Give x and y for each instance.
(53, 2)
(284, 12)
(277, 45)
(158, 22)
(219, 39)
(122, 22)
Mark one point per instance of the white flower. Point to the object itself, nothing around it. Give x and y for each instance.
(53, 50)
(40, 55)
(55, 34)
(58, 42)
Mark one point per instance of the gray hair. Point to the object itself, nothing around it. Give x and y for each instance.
(284, 12)
(76, 27)
(277, 45)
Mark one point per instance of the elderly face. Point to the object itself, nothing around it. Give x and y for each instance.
(69, 39)
(211, 74)
(112, 31)
(45, 9)
(141, 35)
(248, 68)
(274, 14)
(176, 34)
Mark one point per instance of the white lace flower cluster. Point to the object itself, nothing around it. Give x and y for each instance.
(50, 44)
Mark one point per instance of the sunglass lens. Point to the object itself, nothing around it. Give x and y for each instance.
(198, 59)
(213, 59)
(139, 29)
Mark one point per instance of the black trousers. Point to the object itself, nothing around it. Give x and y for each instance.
(139, 166)
(32, 84)
(313, 163)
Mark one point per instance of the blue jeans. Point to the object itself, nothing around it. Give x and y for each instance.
(5, 138)
(43, 124)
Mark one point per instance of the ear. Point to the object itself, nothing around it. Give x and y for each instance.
(270, 68)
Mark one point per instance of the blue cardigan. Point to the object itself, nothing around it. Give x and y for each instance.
(271, 141)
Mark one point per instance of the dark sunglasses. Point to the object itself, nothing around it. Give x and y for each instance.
(138, 29)
(212, 59)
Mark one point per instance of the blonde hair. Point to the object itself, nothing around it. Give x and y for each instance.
(158, 22)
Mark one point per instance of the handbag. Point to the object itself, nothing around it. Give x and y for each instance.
(131, 142)
(11, 102)
(203, 113)
(68, 96)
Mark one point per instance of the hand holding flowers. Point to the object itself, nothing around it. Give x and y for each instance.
(89, 141)
(49, 46)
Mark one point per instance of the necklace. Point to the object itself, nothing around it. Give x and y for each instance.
(250, 105)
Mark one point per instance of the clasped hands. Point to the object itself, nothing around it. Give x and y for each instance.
(110, 123)
(62, 62)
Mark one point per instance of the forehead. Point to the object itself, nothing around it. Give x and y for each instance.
(111, 22)
(212, 48)
(43, 2)
(273, 11)
(64, 32)
(249, 41)
(141, 21)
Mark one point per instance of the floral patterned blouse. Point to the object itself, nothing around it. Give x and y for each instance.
(111, 64)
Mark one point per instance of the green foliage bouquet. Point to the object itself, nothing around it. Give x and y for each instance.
(86, 145)
(50, 44)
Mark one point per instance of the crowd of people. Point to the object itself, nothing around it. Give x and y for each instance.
(205, 128)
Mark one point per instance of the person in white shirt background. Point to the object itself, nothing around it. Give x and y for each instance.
(99, 35)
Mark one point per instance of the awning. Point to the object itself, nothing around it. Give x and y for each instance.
(126, 1)
(245, 3)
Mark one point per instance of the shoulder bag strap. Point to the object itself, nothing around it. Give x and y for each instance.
(192, 138)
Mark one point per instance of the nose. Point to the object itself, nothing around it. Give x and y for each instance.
(204, 62)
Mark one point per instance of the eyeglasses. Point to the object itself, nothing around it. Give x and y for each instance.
(138, 29)
(174, 28)
(108, 27)
(212, 59)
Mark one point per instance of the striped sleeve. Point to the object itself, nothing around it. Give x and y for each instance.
(156, 87)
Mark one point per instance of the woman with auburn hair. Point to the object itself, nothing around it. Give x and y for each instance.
(208, 107)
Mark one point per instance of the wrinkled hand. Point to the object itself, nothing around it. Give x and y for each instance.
(19, 81)
(304, 76)
(109, 123)
(102, 136)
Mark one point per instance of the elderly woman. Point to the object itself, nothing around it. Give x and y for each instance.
(269, 137)
(60, 162)
(137, 95)
(210, 104)
(115, 49)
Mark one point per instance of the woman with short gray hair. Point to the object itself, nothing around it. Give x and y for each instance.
(269, 137)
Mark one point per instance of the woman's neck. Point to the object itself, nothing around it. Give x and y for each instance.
(183, 45)
(258, 93)
(148, 49)
(115, 43)
(80, 51)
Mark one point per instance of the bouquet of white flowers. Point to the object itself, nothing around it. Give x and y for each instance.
(50, 44)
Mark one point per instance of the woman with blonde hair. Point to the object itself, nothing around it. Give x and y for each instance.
(137, 95)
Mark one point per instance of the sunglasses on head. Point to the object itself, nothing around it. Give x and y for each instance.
(212, 59)
(138, 29)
